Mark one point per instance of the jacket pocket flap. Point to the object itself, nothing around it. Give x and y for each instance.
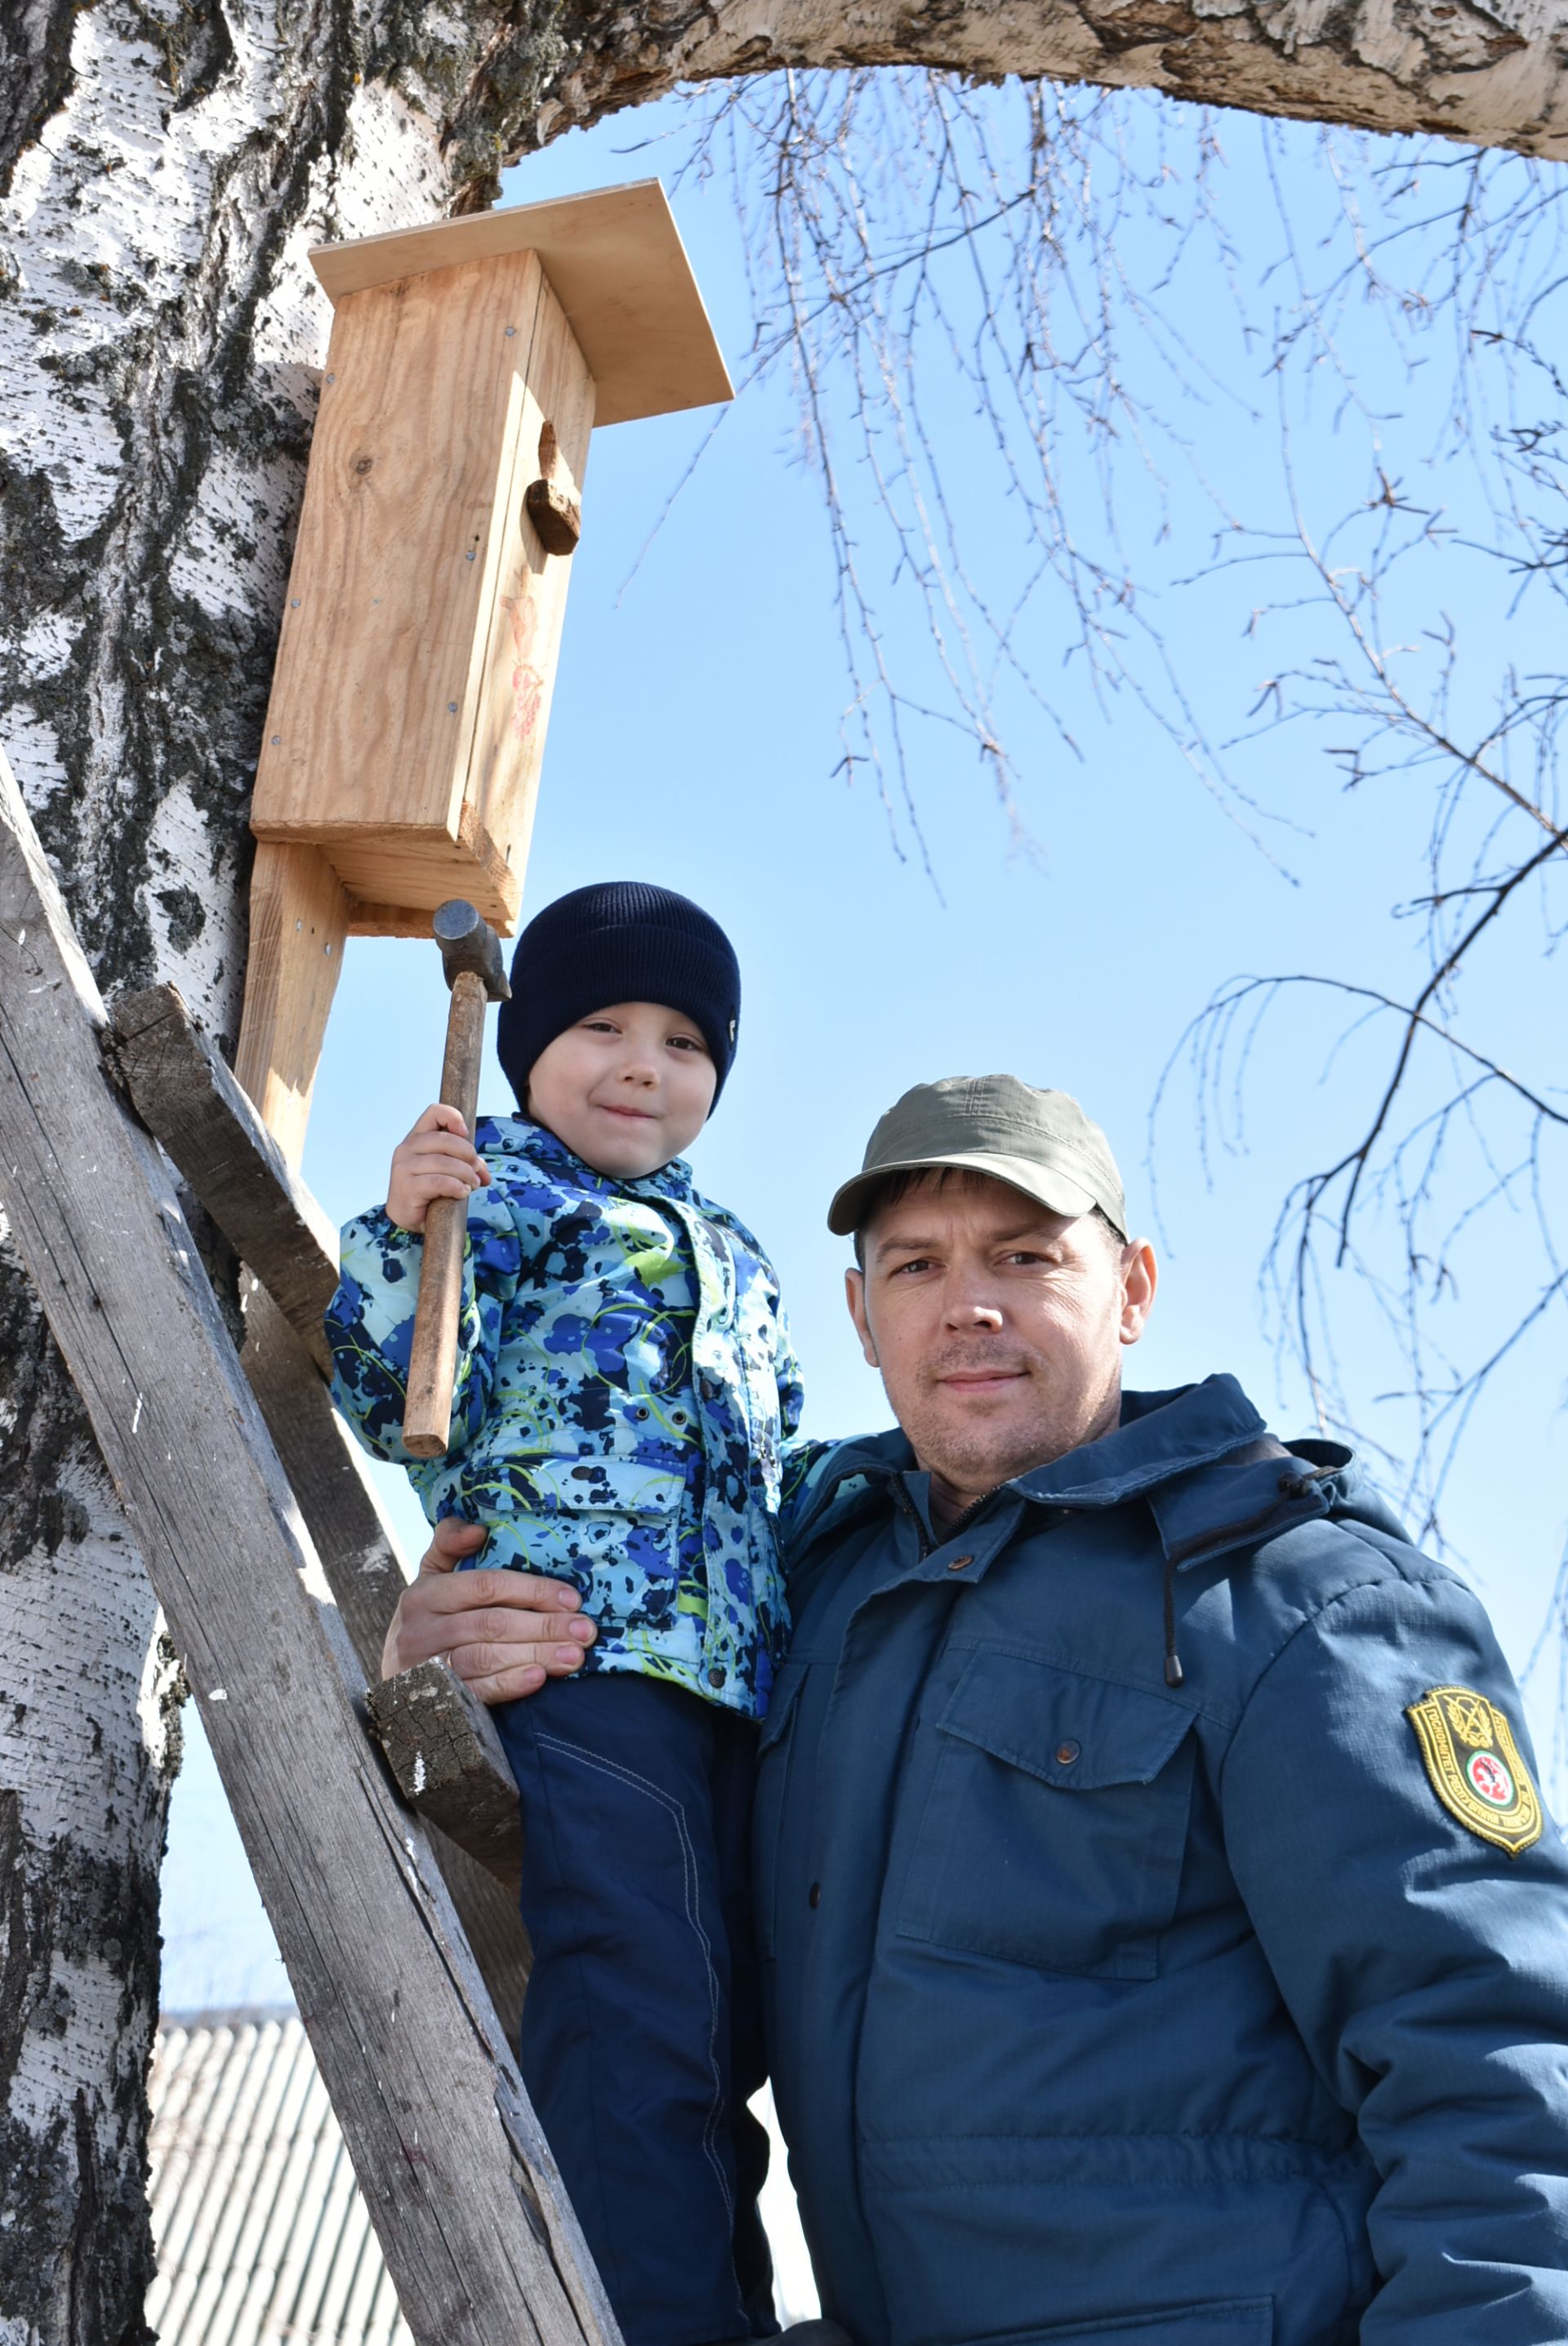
(1236, 2321)
(573, 1485)
(1081, 1734)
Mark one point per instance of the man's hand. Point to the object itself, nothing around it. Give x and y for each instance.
(505, 1633)
(436, 1160)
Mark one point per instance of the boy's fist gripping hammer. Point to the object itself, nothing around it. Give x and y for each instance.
(471, 955)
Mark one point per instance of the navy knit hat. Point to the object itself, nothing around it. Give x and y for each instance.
(623, 941)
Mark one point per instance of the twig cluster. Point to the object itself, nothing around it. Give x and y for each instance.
(984, 299)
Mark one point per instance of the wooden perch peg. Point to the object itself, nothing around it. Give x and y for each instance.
(471, 955)
(554, 502)
(448, 1763)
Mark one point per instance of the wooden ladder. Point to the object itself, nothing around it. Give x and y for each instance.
(277, 1575)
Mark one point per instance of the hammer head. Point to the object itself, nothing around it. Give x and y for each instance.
(468, 942)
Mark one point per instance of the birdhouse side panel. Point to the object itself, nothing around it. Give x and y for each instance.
(381, 661)
(525, 642)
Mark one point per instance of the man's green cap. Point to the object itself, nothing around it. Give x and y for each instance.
(1037, 1141)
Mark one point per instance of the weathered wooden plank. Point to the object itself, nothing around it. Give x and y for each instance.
(186, 1097)
(447, 1761)
(476, 2229)
(330, 1476)
(491, 1924)
(365, 1571)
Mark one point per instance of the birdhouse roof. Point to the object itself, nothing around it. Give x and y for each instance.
(618, 269)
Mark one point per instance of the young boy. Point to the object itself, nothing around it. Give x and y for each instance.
(624, 1384)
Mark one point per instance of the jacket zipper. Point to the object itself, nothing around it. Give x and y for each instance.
(955, 1529)
(912, 1512)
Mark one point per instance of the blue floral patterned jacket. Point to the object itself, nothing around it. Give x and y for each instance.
(625, 1385)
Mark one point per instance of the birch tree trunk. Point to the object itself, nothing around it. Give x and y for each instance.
(89, 1738)
(163, 166)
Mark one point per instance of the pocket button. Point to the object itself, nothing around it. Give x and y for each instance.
(1066, 1753)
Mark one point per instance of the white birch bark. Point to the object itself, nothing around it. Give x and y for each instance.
(163, 165)
(90, 1733)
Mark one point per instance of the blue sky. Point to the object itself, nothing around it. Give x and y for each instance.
(694, 740)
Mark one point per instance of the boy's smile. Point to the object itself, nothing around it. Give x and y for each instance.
(628, 1087)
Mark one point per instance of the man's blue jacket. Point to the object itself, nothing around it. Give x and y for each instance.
(1227, 2013)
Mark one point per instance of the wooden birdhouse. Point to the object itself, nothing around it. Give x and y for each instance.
(469, 363)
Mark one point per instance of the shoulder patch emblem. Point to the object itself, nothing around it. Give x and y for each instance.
(1475, 1767)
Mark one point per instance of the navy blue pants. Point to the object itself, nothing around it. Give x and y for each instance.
(642, 2036)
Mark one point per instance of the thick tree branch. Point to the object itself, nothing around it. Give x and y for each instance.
(1492, 73)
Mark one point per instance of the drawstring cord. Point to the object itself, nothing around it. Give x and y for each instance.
(1174, 1671)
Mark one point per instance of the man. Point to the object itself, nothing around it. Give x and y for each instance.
(1163, 1940)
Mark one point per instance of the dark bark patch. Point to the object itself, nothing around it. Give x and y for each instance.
(187, 916)
(35, 77)
(78, 2249)
(49, 1426)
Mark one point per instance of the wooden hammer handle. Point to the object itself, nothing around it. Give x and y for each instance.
(433, 1361)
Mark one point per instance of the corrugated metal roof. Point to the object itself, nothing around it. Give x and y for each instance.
(261, 2234)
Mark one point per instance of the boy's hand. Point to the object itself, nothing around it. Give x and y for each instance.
(505, 1633)
(436, 1160)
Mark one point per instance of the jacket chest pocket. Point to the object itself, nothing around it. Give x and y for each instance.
(1055, 1820)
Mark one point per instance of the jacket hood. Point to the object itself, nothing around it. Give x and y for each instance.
(1214, 1477)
